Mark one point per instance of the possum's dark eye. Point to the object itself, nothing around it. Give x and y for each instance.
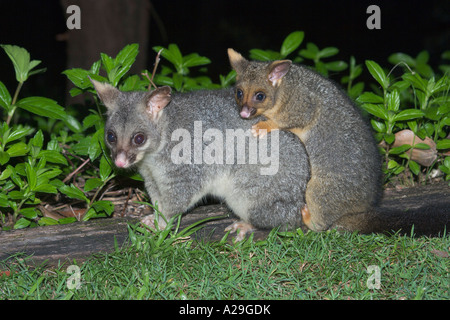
(111, 137)
(260, 96)
(139, 139)
(239, 94)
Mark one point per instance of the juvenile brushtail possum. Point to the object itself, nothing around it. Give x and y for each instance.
(190, 145)
(345, 161)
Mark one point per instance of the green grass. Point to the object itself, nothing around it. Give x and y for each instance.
(328, 265)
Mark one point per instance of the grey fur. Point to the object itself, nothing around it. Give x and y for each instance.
(265, 201)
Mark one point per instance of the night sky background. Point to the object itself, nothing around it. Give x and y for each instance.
(210, 27)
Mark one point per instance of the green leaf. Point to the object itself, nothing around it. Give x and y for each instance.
(172, 54)
(443, 144)
(16, 195)
(17, 150)
(31, 176)
(91, 120)
(422, 146)
(22, 223)
(408, 114)
(5, 173)
(21, 61)
(399, 170)
(37, 140)
(67, 220)
(82, 147)
(73, 124)
(95, 149)
(356, 90)
(133, 83)
(416, 81)
(4, 158)
(19, 133)
(429, 129)
(376, 110)
(432, 113)
(392, 164)
(92, 184)
(377, 72)
(175, 54)
(193, 60)
(46, 188)
(5, 97)
(402, 57)
(46, 174)
(29, 213)
(292, 42)
(163, 80)
(389, 138)
(99, 209)
(53, 156)
(414, 167)
(79, 77)
(264, 55)
(127, 55)
(108, 63)
(105, 168)
(328, 52)
(226, 81)
(43, 107)
(447, 162)
(103, 205)
(311, 51)
(177, 81)
(75, 92)
(393, 100)
(47, 221)
(4, 200)
(15, 177)
(370, 97)
(336, 66)
(413, 126)
(378, 126)
(73, 192)
(400, 150)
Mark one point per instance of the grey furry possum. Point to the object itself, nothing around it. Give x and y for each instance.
(190, 145)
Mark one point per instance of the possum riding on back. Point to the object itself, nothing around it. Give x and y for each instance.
(344, 159)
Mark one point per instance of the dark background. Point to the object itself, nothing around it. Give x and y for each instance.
(209, 27)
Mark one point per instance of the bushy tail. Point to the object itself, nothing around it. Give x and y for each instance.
(430, 222)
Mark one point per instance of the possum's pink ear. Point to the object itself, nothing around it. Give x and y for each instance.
(278, 70)
(158, 100)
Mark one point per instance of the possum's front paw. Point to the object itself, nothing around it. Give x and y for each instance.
(243, 228)
(150, 222)
(262, 128)
(259, 130)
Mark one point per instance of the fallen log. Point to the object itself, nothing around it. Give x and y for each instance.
(64, 243)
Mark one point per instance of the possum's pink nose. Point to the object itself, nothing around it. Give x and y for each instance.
(247, 112)
(121, 160)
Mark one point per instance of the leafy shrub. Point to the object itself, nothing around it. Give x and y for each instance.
(415, 103)
(69, 158)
